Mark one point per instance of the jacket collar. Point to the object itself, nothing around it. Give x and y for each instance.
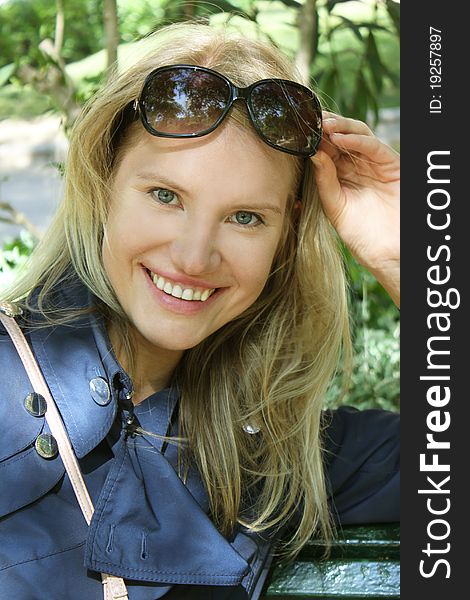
(71, 356)
(147, 526)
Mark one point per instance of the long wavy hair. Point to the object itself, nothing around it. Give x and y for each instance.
(269, 368)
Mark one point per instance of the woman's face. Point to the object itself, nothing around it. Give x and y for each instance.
(192, 231)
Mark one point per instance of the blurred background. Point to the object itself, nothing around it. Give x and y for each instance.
(54, 54)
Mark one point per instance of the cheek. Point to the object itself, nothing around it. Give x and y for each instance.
(128, 232)
(112, 251)
(122, 243)
(252, 267)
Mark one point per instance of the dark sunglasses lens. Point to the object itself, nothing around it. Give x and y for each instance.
(183, 101)
(287, 116)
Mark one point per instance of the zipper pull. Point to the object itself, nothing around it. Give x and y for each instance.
(131, 421)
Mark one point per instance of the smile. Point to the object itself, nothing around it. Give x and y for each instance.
(178, 290)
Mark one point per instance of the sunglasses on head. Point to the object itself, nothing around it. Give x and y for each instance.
(185, 101)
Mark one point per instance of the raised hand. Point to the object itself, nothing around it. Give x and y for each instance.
(358, 178)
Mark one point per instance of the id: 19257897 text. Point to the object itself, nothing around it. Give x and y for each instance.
(435, 70)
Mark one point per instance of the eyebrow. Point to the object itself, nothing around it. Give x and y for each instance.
(150, 176)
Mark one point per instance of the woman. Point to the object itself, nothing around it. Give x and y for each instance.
(188, 310)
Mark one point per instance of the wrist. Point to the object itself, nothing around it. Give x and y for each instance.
(389, 278)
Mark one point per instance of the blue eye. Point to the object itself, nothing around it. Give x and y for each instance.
(164, 196)
(243, 217)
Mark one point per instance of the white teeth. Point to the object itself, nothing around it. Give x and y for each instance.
(179, 291)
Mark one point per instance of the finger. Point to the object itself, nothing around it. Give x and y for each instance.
(328, 185)
(368, 145)
(328, 114)
(337, 123)
(331, 149)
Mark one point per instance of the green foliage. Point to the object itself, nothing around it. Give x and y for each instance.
(357, 65)
(375, 378)
(6, 72)
(24, 24)
(22, 101)
(375, 326)
(13, 256)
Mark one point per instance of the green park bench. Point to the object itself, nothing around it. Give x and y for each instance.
(364, 563)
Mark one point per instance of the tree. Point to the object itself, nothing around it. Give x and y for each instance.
(111, 31)
(307, 22)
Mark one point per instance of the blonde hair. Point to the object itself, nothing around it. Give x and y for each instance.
(271, 366)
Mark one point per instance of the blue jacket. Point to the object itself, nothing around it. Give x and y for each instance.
(148, 527)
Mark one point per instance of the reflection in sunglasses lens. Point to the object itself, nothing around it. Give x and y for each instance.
(286, 116)
(184, 101)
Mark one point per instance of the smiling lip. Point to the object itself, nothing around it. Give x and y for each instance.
(181, 290)
(178, 304)
(182, 279)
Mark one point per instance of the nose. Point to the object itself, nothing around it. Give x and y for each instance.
(195, 250)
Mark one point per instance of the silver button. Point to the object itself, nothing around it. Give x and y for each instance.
(99, 390)
(251, 428)
(35, 404)
(10, 309)
(46, 445)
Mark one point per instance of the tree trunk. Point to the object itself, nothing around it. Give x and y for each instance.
(307, 24)
(189, 11)
(54, 82)
(59, 27)
(111, 31)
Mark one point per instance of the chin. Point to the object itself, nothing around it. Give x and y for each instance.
(175, 343)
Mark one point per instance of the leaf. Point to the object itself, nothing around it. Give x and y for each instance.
(373, 26)
(228, 7)
(394, 77)
(353, 26)
(374, 107)
(393, 9)
(292, 3)
(176, 10)
(6, 72)
(332, 3)
(375, 63)
(367, 101)
(360, 99)
(328, 86)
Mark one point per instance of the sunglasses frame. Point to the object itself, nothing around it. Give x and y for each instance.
(236, 93)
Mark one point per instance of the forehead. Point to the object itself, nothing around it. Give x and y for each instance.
(230, 160)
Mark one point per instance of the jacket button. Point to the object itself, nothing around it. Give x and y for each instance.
(99, 390)
(35, 404)
(46, 445)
